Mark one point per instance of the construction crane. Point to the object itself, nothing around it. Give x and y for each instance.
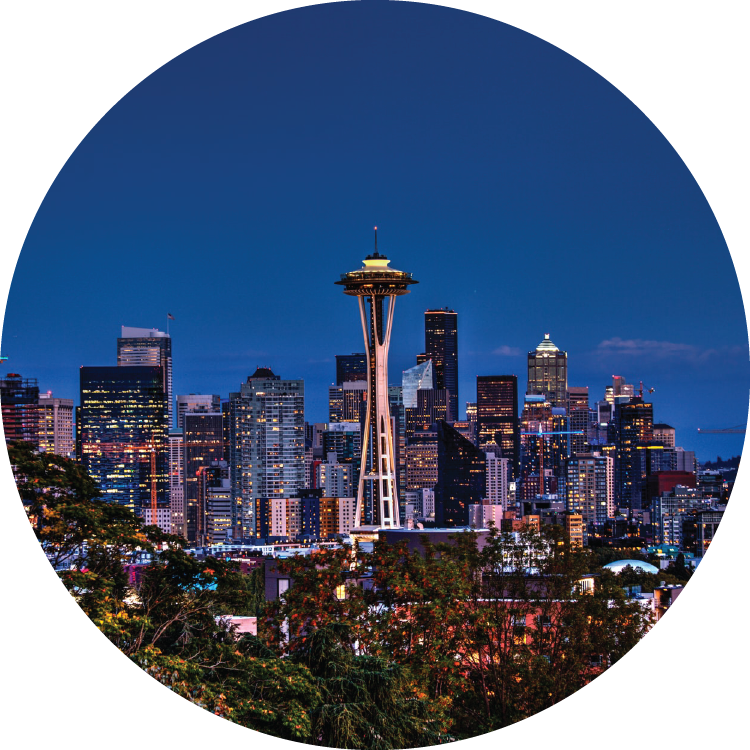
(648, 390)
(543, 435)
(725, 431)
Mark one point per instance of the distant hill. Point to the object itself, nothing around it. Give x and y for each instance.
(723, 463)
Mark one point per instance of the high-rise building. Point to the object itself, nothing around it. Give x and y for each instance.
(376, 283)
(177, 482)
(203, 445)
(462, 479)
(19, 398)
(124, 435)
(631, 428)
(590, 487)
(193, 402)
(497, 477)
(414, 379)
(664, 435)
(548, 373)
(215, 504)
(432, 406)
(580, 419)
(422, 461)
(267, 444)
(441, 346)
(55, 425)
(351, 367)
(334, 478)
(148, 347)
(497, 416)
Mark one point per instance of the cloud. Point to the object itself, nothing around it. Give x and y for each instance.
(507, 351)
(646, 347)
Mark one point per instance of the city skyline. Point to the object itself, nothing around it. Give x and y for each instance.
(566, 190)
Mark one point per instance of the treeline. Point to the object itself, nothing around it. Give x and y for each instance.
(391, 649)
(723, 463)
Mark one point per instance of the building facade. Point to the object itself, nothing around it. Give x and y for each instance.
(148, 347)
(267, 444)
(548, 373)
(441, 346)
(124, 435)
(497, 416)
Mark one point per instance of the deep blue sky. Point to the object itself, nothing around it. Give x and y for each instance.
(235, 184)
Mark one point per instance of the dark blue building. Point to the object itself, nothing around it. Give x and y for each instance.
(124, 434)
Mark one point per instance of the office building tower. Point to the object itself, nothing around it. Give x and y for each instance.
(496, 492)
(590, 487)
(664, 435)
(124, 435)
(467, 429)
(374, 284)
(462, 479)
(432, 407)
(55, 425)
(203, 444)
(333, 478)
(177, 482)
(497, 416)
(441, 346)
(193, 402)
(631, 428)
(215, 504)
(345, 440)
(422, 461)
(19, 400)
(537, 476)
(336, 403)
(148, 347)
(471, 411)
(414, 379)
(354, 407)
(548, 373)
(580, 419)
(683, 460)
(267, 444)
(351, 367)
(398, 426)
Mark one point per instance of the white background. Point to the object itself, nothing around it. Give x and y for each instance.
(64, 64)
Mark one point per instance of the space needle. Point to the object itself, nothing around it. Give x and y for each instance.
(372, 285)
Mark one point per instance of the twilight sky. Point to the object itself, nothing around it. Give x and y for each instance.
(235, 184)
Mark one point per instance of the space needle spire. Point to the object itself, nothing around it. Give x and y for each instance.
(377, 286)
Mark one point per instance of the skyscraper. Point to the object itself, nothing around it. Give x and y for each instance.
(580, 418)
(141, 347)
(497, 416)
(441, 346)
(203, 444)
(196, 402)
(124, 435)
(267, 444)
(350, 367)
(55, 425)
(19, 398)
(177, 482)
(548, 373)
(374, 284)
(590, 487)
(462, 479)
(631, 428)
(414, 379)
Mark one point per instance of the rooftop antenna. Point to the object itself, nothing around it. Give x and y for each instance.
(376, 240)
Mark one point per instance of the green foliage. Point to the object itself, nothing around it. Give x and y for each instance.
(490, 635)
(386, 650)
